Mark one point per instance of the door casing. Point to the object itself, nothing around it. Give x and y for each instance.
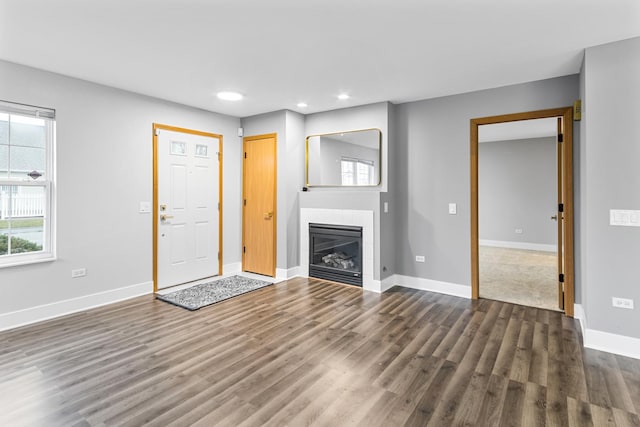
(566, 113)
(157, 126)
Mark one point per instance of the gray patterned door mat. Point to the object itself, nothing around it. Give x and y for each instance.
(205, 294)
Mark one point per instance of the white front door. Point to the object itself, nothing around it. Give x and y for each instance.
(188, 187)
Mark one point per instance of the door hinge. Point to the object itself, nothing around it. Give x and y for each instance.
(560, 137)
(157, 132)
(245, 202)
(218, 256)
(244, 249)
(218, 205)
(561, 278)
(561, 207)
(577, 110)
(245, 154)
(218, 154)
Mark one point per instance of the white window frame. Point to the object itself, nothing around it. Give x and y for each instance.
(48, 252)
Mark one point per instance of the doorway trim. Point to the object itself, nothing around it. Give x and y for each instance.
(275, 196)
(566, 113)
(155, 212)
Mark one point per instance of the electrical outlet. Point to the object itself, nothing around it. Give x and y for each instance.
(622, 303)
(419, 258)
(80, 272)
(453, 208)
(518, 230)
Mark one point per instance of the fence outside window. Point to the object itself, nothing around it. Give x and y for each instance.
(21, 205)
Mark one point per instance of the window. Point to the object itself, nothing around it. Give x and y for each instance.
(357, 171)
(27, 136)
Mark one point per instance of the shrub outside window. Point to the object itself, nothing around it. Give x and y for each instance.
(27, 142)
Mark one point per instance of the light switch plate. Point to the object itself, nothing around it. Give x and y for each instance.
(386, 207)
(145, 207)
(625, 218)
(453, 208)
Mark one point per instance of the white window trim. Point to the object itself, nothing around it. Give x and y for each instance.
(48, 253)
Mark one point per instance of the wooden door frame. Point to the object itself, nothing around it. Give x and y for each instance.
(567, 115)
(155, 128)
(275, 194)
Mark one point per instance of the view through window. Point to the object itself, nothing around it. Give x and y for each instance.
(357, 171)
(26, 169)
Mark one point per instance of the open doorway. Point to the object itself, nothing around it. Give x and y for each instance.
(517, 184)
(522, 215)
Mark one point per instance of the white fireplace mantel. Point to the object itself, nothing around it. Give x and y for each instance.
(359, 218)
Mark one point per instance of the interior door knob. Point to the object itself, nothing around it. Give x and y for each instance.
(165, 217)
(555, 217)
(268, 215)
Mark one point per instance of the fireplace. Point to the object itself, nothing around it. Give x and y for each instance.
(335, 253)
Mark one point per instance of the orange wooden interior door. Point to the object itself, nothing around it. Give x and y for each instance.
(259, 205)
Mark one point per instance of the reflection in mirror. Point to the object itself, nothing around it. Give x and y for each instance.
(344, 159)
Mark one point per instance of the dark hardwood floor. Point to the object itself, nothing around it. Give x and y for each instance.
(309, 352)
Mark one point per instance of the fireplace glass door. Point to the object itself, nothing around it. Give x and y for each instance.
(335, 253)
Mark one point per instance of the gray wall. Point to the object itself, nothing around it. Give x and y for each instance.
(517, 188)
(294, 184)
(275, 123)
(361, 198)
(346, 119)
(104, 169)
(289, 126)
(389, 219)
(610, 180)
(579, 160)
(432, 168)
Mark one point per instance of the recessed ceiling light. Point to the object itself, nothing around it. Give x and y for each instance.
(302, 104)
(230, 96)
(343, 96)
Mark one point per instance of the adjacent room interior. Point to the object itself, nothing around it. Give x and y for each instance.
(258, 213)
(518, 198)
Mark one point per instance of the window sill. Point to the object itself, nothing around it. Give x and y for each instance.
(26, 259)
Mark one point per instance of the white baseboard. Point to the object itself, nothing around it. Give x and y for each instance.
(372, 285)
(284, 273)
(431, 285)
(606, 341)
(293, 272)
(578, 313)
(39, 313)
(232, 267)
(388, 283)
(519, 245)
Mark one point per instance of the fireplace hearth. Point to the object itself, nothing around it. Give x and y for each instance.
(335, 253)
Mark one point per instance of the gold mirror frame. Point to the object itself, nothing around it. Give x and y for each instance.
(377, 167)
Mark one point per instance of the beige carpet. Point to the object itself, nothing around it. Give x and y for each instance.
(519, 276)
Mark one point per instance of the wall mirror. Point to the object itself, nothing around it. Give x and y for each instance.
(344, 158)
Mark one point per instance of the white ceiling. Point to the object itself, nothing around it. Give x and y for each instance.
(281, 52)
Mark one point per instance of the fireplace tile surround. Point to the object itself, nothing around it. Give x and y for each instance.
(361, 218)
